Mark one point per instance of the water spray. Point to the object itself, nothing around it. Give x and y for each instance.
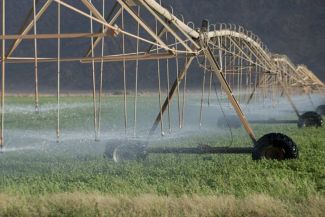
(232, 54)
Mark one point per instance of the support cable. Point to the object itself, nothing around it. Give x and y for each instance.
(224, 114)
(219, 102)
(119, 30)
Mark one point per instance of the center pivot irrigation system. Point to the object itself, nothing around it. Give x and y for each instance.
(246, 70)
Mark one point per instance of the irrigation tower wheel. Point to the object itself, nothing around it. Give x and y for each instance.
(125, 150)
(110, 147)
(310, 119)
(275, 146)
(321, 110)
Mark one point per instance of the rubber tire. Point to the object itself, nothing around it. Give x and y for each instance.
(310, 119)
(125, 150)
(276, 141)
(232, 120)
(111, 146)
(321, 110)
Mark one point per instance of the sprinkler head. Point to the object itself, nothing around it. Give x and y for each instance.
(205, 25)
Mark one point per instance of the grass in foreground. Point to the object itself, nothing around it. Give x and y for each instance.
(62, 170)
(78, 204)
(74, 180)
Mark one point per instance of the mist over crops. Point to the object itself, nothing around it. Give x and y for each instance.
(72, 177)
(27, 130)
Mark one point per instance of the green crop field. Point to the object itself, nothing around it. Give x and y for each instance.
(40, 177)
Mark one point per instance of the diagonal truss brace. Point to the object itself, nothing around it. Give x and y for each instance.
(170, 95)
(142, 24)
(29, 27)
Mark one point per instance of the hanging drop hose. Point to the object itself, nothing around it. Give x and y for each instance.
(58, 76)
(226, 69)
(183, 102)
(241, 80)
(101, 76)
(221, 65)
(36, 60)
(3, 73)
(210, 85)
(124, 77)
(233, 67)
(237, 71)
(249, 85)
(256, 77)
(168, 100)
(136, 79)
(184, 93)
(94, 79)
(202, 93)
(159, 88)
(177, 89)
